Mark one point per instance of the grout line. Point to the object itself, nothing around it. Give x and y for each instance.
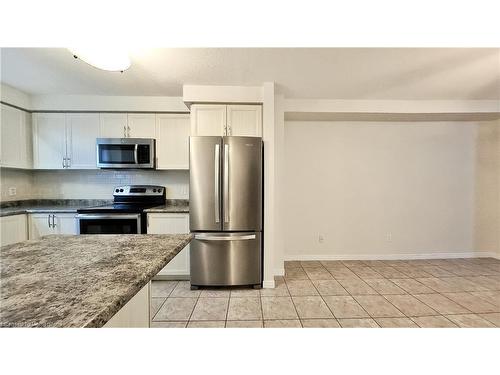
(157, 311)
(293, 303)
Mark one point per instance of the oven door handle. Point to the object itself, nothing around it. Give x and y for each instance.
(99, 216)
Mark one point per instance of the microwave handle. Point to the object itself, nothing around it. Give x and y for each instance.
(136, 158)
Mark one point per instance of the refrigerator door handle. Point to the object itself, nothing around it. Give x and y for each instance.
(224, 238)
(226, 183)
(217, 183)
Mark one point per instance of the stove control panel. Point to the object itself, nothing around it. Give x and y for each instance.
(139, 190)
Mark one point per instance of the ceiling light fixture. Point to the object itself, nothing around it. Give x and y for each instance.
(110, 59)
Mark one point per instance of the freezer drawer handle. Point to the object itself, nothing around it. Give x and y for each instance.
(217, 184)
(224, 238)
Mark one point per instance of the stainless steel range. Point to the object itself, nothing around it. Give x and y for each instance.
(126, 215)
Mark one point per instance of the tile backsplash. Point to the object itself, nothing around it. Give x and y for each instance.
(87, 184)
(20, 180)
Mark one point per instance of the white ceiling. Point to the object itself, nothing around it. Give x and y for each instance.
(329, 73)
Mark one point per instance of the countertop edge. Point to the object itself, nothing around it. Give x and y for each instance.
(106, 314)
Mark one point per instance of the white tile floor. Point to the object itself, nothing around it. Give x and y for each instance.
(331, 294)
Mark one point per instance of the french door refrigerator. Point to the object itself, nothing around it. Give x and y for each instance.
(225, 211)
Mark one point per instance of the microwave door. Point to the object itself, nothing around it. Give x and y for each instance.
(205, 183)
(114, 155)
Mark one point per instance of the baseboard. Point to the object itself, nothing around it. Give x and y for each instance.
(268, 284)
(422, 255)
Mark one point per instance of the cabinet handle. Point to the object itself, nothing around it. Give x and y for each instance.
(53, 221)
(124, 131)
(68, 162)
(64, 162)
(128, 128)
(48, 220)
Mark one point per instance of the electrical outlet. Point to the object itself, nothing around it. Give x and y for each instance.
(389, 237)
(12, 191)
(321, 238)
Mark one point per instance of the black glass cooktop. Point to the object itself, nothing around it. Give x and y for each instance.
(118, 207)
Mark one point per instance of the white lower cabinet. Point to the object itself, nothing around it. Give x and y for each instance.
(13, 229)
(172, 223)
(51, 223)
(135, 313)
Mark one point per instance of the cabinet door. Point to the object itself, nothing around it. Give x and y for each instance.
(113, 125)
(244, 120)
(172, 141)
(82, 129)
(141, 125)
(15, 130)
(65, 224)
(208, 119)
(13, 229)
(49, 140)
(172, 224)
(39, 226)
(27, 141)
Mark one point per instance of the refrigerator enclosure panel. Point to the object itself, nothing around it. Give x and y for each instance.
(205, 183)
(242, 184)
(223, 258)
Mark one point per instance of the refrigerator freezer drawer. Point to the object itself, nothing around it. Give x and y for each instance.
(224, 259)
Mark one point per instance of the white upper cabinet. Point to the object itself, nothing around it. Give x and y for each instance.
(82, 129)
(16, 138)
(208, 119)
(244, 120)
(49, 140)
(62, 141)
(172, 141)
(141, 125)
(131, 125)
(113, 125)
(221, 119)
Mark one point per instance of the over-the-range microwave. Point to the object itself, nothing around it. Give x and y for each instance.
(125, 153)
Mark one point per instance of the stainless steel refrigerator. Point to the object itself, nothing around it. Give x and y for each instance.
(225, 210)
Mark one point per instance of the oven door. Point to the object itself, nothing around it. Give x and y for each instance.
(108, 223)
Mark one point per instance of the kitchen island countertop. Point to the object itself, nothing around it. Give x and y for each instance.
(78, 281)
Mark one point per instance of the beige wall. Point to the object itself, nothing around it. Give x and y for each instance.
(90, 184)
(487, 205)
(380, 189)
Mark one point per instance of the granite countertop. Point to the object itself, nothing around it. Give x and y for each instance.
(172, 206)
(49, 206)
(78, 281)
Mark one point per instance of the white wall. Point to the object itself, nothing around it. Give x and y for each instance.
(379, 189)
(11, 95)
